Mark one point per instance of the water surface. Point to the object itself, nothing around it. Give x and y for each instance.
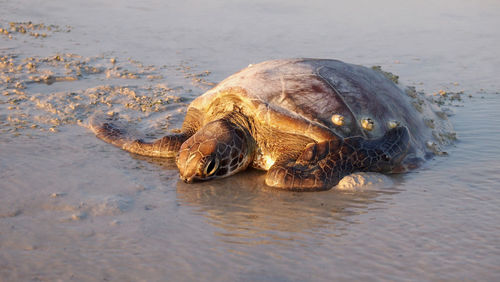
(75, 208)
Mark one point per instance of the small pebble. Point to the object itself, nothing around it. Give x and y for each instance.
(78, 216)
(57, 195)
(115, 222)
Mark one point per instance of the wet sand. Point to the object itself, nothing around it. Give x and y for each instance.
(75, 208)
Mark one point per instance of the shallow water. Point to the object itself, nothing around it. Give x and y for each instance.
(74, 207)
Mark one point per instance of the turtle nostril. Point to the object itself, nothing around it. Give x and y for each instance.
(386, 158)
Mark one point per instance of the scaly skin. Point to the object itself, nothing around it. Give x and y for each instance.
(219, 149)
(166, 147)
(322, 165)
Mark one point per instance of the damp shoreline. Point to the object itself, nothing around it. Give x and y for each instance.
(75, 208)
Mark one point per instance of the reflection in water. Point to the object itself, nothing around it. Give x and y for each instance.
(248, 212)
(164, 163)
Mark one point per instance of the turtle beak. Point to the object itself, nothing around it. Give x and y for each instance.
(187, 179)
(188, 164)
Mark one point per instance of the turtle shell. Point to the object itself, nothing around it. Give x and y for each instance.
(346, 99)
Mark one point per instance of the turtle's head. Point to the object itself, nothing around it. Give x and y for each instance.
(219, 149)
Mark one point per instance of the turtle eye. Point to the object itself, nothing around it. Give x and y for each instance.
(212, 167)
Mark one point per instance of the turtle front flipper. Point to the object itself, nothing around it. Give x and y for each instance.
(111, 132)
(322, 165)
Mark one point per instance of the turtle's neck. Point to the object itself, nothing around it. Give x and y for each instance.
(241, 120)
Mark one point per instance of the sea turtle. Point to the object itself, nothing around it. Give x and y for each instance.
(308, 122)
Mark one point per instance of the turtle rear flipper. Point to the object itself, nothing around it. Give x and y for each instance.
(322, 165)
(112, 131)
